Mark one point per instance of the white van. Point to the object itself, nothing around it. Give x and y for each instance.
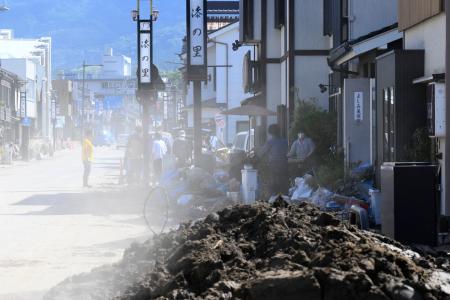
(242, 142)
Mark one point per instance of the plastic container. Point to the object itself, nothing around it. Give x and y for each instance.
(249, 185)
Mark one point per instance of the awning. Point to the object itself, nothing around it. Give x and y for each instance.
(253, 100)
(369, 44)
(440, 77)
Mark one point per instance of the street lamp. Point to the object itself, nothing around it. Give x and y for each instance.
(145, 75)
(83, 98)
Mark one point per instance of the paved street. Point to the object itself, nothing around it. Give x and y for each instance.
(51, 228)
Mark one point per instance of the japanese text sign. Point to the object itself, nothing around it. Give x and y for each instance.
(145, 52)
(196, 33)
(359, 112)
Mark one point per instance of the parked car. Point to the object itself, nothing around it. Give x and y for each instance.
(242, 142)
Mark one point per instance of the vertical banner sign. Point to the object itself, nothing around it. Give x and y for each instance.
(145, 53)
(197, 35)
(359, 106)
(23, 104)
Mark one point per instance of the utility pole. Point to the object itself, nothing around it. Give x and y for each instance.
(196, 63)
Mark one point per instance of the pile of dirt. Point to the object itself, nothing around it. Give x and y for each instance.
(276, 251)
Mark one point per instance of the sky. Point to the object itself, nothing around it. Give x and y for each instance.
(84, 29)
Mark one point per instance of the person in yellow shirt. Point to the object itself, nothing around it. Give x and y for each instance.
(87, 155)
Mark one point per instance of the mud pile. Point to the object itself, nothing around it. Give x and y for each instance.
(282, 252)
(277, 251)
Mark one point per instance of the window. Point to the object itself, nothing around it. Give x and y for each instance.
(344, 20)
(327, 18)
(389, 124)
(280, 13)
(247, 20)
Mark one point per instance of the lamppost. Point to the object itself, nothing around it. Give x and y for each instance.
(83, 100)
(146, 81)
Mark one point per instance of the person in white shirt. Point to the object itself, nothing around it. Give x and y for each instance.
(159, 150)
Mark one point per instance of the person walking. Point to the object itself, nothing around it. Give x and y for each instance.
(273, 153)
(159, 150)
(182, 149)
(87, 156)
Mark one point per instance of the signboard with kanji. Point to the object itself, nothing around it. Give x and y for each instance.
(196, 37)
(145, 53)
(359, 112)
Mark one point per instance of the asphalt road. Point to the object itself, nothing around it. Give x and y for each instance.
(52, 228)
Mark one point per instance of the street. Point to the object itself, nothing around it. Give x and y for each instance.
(52, 228)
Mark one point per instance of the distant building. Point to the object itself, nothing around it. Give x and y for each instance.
(110, 95)
(10, 86)
(31, 60)
(115, 66)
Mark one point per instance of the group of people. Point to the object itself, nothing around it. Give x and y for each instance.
(276, 153)
(159, 148)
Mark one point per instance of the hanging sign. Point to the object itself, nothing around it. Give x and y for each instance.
(145, 53)
(196, 36)
(359, 112)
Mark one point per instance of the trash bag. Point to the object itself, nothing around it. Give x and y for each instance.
(321, 197)
(302, 189)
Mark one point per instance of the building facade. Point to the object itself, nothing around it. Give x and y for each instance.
(291, 55)
(423, 24)
(31, 61)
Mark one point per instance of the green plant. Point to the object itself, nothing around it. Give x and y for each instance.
(420, 146)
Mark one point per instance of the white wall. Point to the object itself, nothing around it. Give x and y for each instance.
(310, 71)
(429, 35)
(273, 34)
(309, 25)
(367, 16)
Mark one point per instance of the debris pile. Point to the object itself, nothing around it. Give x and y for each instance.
(266, 251)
